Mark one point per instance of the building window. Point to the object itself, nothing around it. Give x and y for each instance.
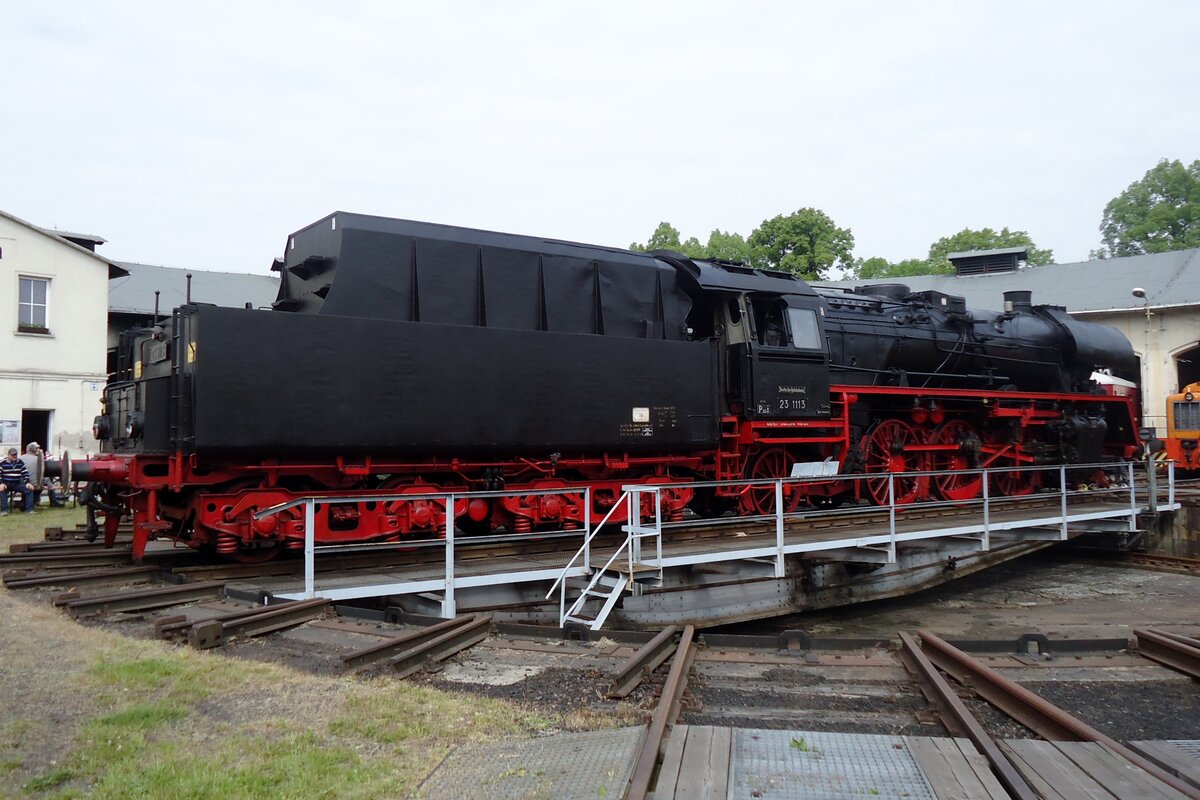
(33, 305)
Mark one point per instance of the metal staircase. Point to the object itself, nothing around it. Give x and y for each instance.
(624, 570)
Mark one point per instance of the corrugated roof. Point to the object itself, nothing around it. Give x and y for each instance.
(1169, 279)
(134, 294)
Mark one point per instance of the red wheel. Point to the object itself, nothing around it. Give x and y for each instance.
(773, 462)
(884, 450)
(1015, 484)
(1011, 484)
(956, 486)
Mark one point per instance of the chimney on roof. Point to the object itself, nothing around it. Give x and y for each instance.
(986, 262)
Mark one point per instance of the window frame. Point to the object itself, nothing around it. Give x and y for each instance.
(30, 327)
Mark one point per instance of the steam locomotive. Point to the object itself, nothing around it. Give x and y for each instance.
(405, 359)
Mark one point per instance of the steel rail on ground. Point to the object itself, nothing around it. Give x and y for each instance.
(1034, 711)
(1180, 653)
(960, 720)
(664, 714)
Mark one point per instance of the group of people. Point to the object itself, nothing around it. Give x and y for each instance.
(19, 476)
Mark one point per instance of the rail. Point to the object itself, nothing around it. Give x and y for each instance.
(1032, 710)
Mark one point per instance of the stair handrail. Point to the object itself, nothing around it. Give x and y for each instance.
(587, 541)
(626, 546)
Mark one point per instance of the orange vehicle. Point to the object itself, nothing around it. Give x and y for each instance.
(1183, 427)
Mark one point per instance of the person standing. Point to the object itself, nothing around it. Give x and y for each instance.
(14, 478)
(34, 454)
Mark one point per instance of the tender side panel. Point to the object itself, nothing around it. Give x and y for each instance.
(284, 383)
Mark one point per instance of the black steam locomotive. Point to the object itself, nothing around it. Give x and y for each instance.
(407, 358)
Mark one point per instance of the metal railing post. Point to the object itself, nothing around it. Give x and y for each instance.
(658, 504)
(449, 607)
(891, 518)
(635, 522)
(587, 530)
(1062, 490)
(779, 571)
(1152, 483)
(310, 549)
(987, 512)
(1171, 484)
(1132, 499)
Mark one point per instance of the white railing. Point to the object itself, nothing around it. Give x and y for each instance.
(1128, 477)
(1123, 476)
(449, 604)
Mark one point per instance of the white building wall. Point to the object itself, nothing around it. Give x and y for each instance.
(62, 371)
(1156, 340)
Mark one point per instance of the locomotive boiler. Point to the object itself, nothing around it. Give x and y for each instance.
(409, 359)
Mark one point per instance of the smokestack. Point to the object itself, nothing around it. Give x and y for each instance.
(189, 287)
(1018, 301)
(156, 293)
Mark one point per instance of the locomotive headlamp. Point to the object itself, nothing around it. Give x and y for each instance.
(133, 428)
(1189, 397)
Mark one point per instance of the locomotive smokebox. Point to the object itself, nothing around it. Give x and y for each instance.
(1018, 301)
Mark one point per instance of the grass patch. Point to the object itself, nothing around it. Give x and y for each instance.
(49, 781)
(397, 713)
(181, 675)
(142, 717)
(137, 674)
(19, 527)
(298, 765)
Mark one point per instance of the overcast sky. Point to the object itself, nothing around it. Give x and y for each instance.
(200, 135)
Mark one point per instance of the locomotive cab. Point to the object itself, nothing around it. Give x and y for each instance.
(786, 360)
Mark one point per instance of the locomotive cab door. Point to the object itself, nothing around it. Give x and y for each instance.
(788, 358)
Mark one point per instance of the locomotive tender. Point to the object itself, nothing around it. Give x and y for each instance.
(407, 358)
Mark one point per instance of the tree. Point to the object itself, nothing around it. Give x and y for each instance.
(665, 237)
(985, 239)
(805, 242)
(1159, 213)
(727, 246)
(692, 248)
(876, 267)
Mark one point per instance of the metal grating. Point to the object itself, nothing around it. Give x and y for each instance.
(788, 765)
(1186, 415)
(568, 765)
(1189, 746)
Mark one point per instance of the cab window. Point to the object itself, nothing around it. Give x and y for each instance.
(806, 333)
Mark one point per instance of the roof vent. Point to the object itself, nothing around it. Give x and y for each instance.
(986, 262)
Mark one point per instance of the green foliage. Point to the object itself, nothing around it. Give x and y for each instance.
(665, 237)
(1157, 214)
(727, 246)
(985, 239)
(876, 268)
(693, 249)
(805, 242)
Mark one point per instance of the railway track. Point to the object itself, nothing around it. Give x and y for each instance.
(1163, 563)
(191, 611)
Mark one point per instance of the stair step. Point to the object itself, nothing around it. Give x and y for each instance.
(636, 569)
(581, 620)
